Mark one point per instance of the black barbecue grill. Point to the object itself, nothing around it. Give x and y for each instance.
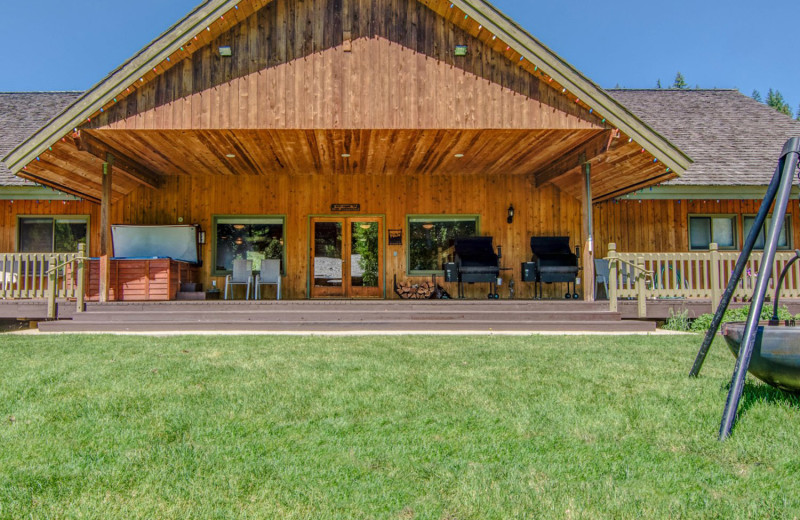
(552, 261)
(476, 262)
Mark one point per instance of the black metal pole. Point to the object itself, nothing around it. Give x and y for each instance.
(787, 165)
(741, 263)
(780, 284)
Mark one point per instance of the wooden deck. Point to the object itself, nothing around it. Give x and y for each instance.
(354, 315)
(334, 316)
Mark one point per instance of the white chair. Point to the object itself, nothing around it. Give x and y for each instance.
(242, 275)
(602, 272)
(270, 275)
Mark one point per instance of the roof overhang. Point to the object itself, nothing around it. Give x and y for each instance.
(565, 74)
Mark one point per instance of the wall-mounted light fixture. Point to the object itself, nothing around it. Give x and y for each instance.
(201, 237)
(510, 214)
(225, 51)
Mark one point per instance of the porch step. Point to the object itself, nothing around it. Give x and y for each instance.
(336, 315)
(388, 325)
(348, 316)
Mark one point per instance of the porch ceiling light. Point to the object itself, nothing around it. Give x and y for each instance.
(230, 156)
(345, 155)
(225, 51)
(427, 226)
(459, 155)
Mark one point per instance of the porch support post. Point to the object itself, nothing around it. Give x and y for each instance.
(105, 229)
(587, 231)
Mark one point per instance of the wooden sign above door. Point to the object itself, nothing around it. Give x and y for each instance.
(338, 208)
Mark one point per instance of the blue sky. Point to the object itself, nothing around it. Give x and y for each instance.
(62, 45)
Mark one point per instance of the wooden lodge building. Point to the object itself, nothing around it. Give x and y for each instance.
(301, 130)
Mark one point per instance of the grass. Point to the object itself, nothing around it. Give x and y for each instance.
(387, 427)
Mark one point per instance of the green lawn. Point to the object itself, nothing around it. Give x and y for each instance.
(386, 427)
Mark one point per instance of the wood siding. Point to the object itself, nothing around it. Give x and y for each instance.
(663, 225)
(289, 69)
(544, 211)
(10, 211)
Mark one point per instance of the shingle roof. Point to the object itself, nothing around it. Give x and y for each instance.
(733, 139)
(21, 114)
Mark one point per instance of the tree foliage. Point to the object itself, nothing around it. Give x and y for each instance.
(680, 82)
(757, 96)
(776, 101)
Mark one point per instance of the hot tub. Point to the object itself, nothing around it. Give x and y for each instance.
(141, 279)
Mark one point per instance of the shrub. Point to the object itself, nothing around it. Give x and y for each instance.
(703, 322)
(677, 321)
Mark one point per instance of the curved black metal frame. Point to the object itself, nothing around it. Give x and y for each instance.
(775, 300)
(778, 192)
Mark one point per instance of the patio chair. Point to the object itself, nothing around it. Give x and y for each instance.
(8, 276)
(242, 275)
(270, 274)
(602, 273)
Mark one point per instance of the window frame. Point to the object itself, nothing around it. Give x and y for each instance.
(18, 235)
(787, 226)
(441, 217)
(733, 217)
(214, 221)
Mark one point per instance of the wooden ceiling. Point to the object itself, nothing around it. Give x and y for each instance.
(546, 156)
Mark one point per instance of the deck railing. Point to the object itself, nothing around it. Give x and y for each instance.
(693, 275)
(43, 276)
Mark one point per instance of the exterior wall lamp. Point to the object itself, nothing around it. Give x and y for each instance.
(510, 214)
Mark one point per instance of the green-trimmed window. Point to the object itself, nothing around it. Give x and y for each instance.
(51, 234)
(431, 239)
(705, 229)
(784, 240)
(254, 238)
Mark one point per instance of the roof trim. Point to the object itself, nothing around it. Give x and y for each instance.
(117, 81)
(32, 193)
(706, 192)
(480, 10)
(589, 92)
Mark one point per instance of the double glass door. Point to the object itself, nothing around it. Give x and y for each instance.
(346, 257)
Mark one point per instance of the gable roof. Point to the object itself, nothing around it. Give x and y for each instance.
(733, 139)
(153, 58)
(21, 114)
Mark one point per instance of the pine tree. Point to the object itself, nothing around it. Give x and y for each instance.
(757, 96)
(658, 83)
(776, 101)
(798, 113)
(680, 82)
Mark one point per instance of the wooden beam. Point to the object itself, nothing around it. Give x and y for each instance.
(587, 233)
(105, 229)
(131, 168)
(45, 182)
(571, 160)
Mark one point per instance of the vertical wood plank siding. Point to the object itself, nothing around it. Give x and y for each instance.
(654, 226)
(289, 69)
(543, 211)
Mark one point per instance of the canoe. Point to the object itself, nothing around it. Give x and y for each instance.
(776, 353)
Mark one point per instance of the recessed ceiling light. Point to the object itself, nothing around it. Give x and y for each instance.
(459, 155)
(225, 51)
(230, 156)
(345, 155)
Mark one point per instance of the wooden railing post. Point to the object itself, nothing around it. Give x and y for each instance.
(81, 296)
(641, 279)
(716, 270)
(52, 275)
(613, 266)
